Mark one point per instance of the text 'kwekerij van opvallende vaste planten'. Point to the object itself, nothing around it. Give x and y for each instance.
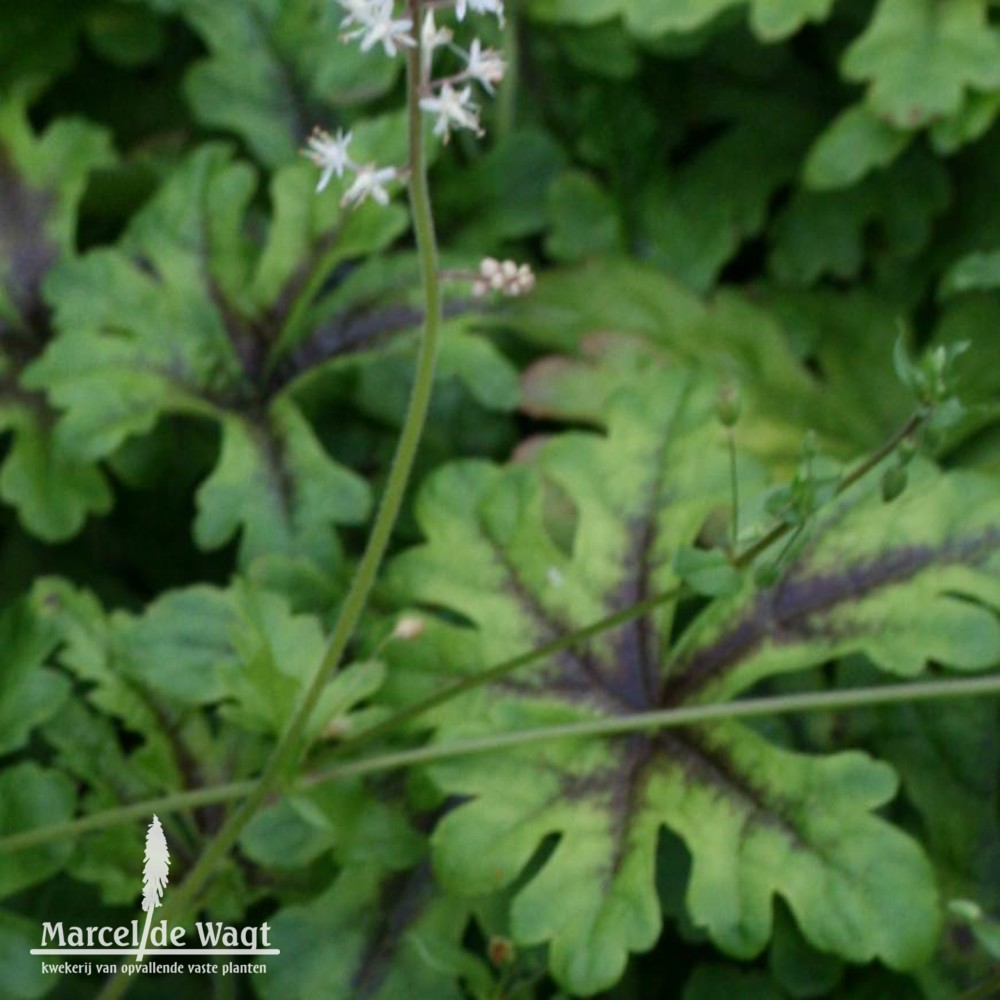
(499, 500)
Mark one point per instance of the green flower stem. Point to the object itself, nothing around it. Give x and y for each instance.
(823, 701)
(507, 96)
(669, 718)
(166, 804)
(294, 741)
(734, 488)
(916, 421)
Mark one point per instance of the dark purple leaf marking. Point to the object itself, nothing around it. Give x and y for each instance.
(403, 898)
(799, 606)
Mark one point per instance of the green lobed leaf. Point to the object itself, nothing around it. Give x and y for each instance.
(853, 145)
(947, 757)
(32, 797)
(502, 195)
(693, 232)
(971, 122)
(771, 19)
(188, 316)
(849, 337)
(919, 57)
(87, 652)
(42, 179)
(975, 272)
(88, 749)
(644, 320)
(886, 219)
(241, 647)
(396, 936)
(396, 933)
(277, 483)
(853, 586)
(30, 691)
(278, 655)
(20, 971)
(759, 821)
(583, 220)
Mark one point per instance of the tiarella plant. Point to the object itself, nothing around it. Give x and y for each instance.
(675, 674)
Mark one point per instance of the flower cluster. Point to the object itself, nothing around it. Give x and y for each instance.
(507, 277)
(449, 98)
(329, 153)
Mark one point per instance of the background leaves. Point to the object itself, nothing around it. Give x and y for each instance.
(203, 371)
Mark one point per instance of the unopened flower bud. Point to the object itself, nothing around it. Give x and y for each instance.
(893, 482)
(506, 277)
(409, 627)
(501, 951)
(727, 404)
(337, 728)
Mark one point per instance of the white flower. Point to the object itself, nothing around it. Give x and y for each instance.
(431, 36)
(484, 65)
(480, 7)
(329, 153)
(358, 12)
(376, 24)
(370, 180)
(454, 109)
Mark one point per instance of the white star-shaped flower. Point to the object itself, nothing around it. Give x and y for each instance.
(454, 109)
(329, 153)
(376, 24)
(357, 12)
(431, 36)
(480, 7)
(485, 65)
(370, 181)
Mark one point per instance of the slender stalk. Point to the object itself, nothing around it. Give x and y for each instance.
(507, 96)
(294, 739)
(669, 718)
(823, 701)
(165, 804)
(734, 488)
(916, 421)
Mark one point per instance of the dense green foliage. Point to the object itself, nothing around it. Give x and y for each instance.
(203, 370)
